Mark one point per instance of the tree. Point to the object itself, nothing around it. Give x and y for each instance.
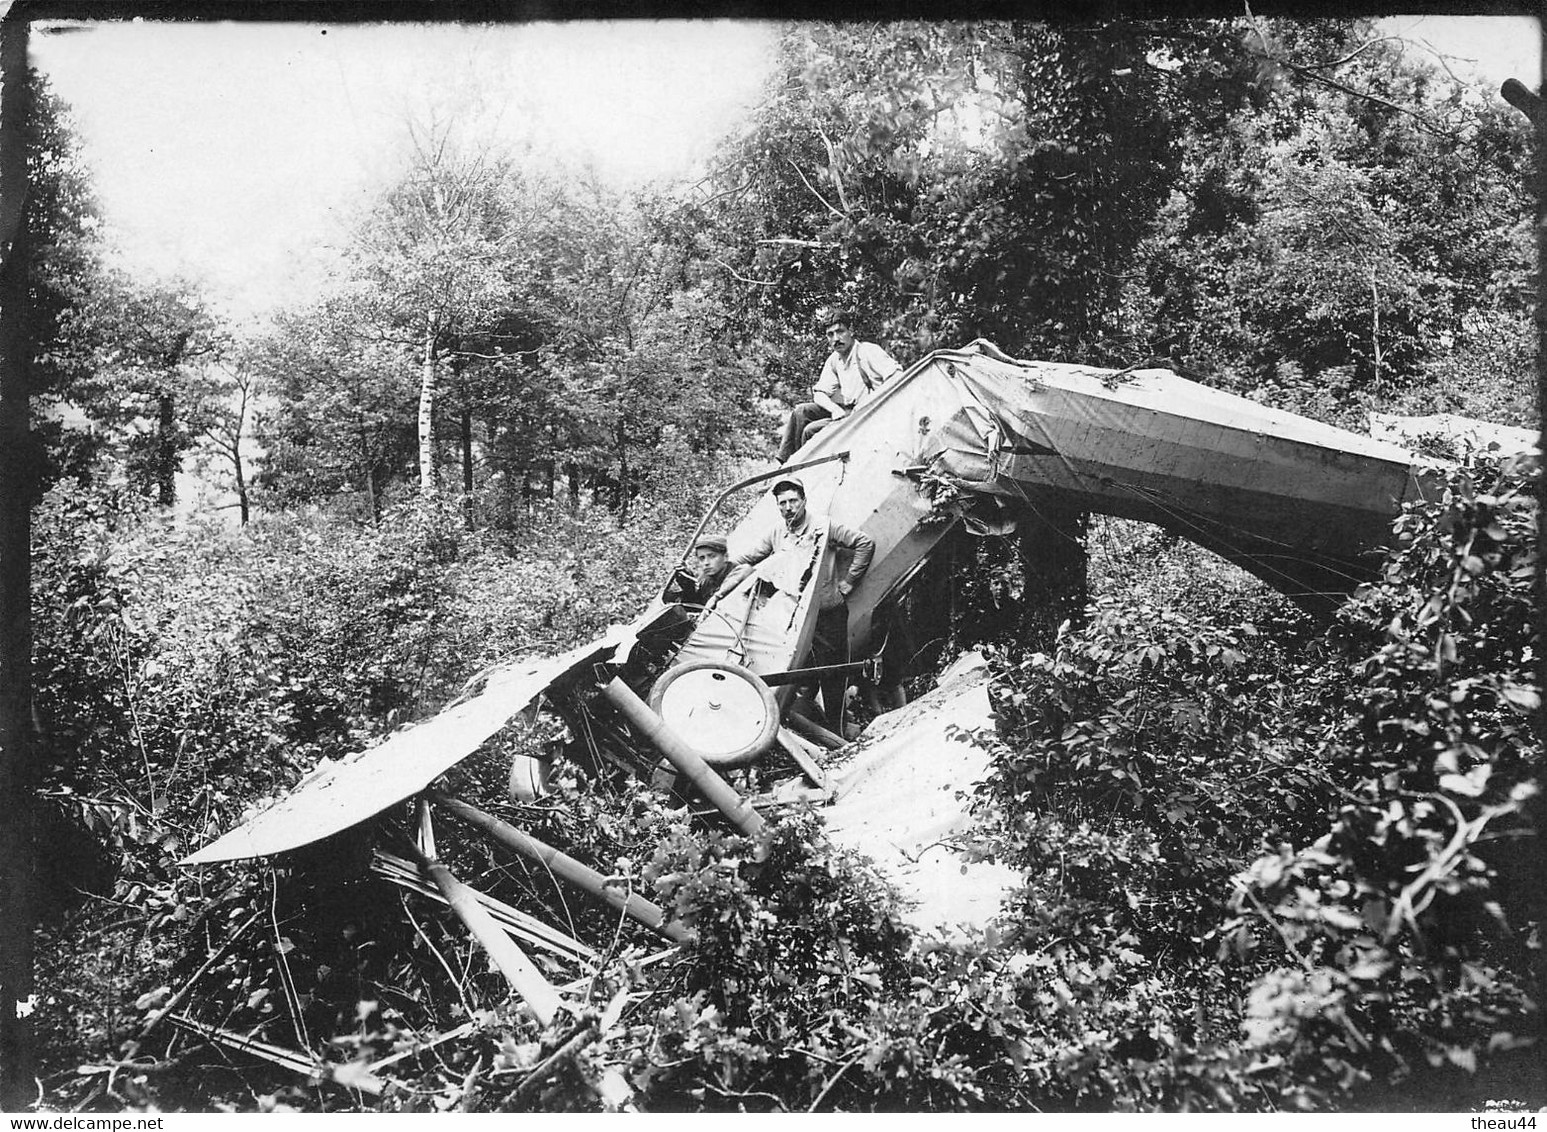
(645, 367)
(221, 397)
(66, 271)
(441, 249)
(341, 409)
(1333, 240)
(150, 340)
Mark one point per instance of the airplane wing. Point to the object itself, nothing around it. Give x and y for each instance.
(359, 786)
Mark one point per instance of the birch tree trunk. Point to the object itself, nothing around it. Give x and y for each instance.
(427, 412)
(467, 464)
(1375, 320)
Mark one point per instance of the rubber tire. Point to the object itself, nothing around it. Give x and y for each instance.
(745, 754)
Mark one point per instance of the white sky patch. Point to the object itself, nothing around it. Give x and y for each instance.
(235, 153)
(1493, 48)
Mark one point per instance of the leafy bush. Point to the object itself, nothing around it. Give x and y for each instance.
(1263, 864)
(1412, 921)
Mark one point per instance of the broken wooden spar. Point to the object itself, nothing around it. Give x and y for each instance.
(809, 729)
(346, 1076)
(537, 994)
(526, 929)
(796, 748)
(565, 867)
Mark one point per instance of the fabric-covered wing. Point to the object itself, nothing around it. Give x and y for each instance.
(342, 794)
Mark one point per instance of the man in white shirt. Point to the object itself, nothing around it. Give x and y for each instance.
(852, 372)
(849, 551)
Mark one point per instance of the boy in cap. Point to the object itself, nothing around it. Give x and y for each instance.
(689, 587)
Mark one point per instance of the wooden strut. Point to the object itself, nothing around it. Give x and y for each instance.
(277, 1055)
(684, 758)
(537, 994)
(402, 872)
(808, 728)
(796, 748)
(565, 867)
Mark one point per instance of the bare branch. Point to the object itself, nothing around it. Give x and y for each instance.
(831, 207)
(743, 279)
(791, 241)
(730, 192)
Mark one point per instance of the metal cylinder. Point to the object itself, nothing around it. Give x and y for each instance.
(565, 867)
(684, 758)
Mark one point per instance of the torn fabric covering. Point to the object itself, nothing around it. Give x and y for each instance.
(907, 789)
(338, 795)
(1303, 505)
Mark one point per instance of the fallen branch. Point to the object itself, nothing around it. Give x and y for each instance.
(182, 992)
(546, 1067)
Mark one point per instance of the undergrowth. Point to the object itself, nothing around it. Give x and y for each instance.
(1265, 864)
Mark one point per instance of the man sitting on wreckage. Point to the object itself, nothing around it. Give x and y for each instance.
(852, 372)
(796, 538)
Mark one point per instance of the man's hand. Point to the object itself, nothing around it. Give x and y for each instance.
(845, 588)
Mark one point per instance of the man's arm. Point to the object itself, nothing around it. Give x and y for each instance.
(755, 553)
(864, 548)
(828, 389)
(733, 578)
(821, 397)
(876, 362)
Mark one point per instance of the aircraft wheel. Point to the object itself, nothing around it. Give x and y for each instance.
(724, 712)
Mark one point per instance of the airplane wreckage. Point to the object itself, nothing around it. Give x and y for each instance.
(689, 696)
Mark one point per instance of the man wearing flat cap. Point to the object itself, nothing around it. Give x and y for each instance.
(696, 587)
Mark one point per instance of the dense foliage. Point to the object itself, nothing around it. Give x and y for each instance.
(1264, 863)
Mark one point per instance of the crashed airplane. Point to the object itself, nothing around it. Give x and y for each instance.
(966, 436)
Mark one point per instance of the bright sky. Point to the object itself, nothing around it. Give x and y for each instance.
(1494, 47)
(236, 152)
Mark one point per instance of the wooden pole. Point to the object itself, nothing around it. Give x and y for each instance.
(808, 728)
(366, 1082)
(565, 867)
(795, 747)
(684, 758)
